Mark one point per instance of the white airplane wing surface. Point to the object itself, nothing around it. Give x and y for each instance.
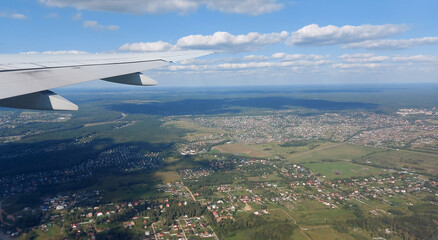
(25, 79)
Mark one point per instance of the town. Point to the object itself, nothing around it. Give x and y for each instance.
(231, 173)
(359, 128)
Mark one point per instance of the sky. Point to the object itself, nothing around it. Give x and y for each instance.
(256, 42)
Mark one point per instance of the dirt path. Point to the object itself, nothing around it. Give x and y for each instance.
(191, 194)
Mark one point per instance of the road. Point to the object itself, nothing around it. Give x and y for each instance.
(155, 233)
(181, 227)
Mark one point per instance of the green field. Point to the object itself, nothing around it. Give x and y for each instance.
(311, 213)
(53, 233)
(168, 176)
(332, 152)
(270, 177)
(334, 170)
(240, 149)
(422, 162)
(316, 151)
(286, 152)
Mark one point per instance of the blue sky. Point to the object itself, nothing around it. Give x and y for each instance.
(258, 42)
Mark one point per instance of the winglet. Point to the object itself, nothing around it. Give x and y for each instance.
(44, 100)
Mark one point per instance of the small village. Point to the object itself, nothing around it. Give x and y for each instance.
(251, 186)
(126, 158)
(13, 121)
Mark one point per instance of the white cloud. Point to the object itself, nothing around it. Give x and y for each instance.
(330, 35)
(225, 41)
(255, 62)
(276, 57)
(363, 58)
(415, 58)
(357, 66)
(251, 7)
(393, 44)
(348, 68)
(147, 47)
(98, 26)
(285, 56)
(17, 16)
(219, 41)
(249, 65)
(364, 36)
(255, 58)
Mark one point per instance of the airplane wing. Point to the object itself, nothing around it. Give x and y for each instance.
(25, 79)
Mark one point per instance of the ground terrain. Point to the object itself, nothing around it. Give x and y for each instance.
(250, 164)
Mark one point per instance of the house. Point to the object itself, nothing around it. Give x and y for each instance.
(130, 224)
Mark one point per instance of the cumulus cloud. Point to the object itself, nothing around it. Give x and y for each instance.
(364, 36)
(251, 7)
(330, 35)
(219, 41)
(228, 42)
(255, 58)
(284, 56)
(363, 67)
(17, 16)
(284, 62)
(255, 62)
(249, 65)
(362, 58)
(96, 25)
(390, 44)
(357, 66)
(147, 47)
